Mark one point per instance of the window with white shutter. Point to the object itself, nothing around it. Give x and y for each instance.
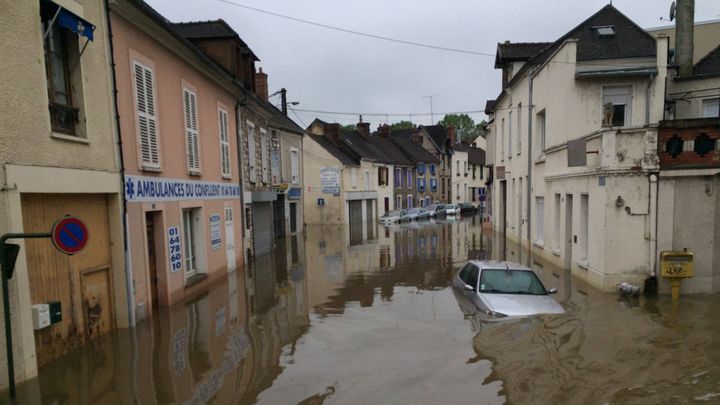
(251, 152)
(294, 166)
(224, 143)
(265, 155)
(192, 142)
(146, 119)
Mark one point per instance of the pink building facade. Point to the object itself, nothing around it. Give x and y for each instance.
(182, 187)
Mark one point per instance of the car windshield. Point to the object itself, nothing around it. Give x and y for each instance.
(413, 210)
(392, 213)
(510, 282)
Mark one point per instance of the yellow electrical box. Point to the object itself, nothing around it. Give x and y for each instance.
(676, 264)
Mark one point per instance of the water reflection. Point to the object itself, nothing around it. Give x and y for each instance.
(328, 318)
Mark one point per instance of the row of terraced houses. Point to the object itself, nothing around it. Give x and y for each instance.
(160, 137)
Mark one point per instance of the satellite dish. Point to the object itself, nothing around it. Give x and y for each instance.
(672, 11)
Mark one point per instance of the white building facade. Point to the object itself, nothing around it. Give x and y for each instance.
(575, 149)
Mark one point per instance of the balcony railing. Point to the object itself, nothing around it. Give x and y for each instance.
(689, 143)
(63, 118)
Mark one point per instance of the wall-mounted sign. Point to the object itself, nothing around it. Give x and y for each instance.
(215, 238)
(154, 189)
(69, 235)
(294, 193)
(174, 249)
(330, 180)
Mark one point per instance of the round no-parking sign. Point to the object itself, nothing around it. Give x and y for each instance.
(69, 235)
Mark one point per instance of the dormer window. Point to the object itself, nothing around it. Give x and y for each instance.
(604, 31)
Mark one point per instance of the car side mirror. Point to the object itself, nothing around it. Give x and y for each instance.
(552, 291)
(469, 288)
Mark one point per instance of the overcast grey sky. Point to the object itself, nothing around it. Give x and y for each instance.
(336, 71)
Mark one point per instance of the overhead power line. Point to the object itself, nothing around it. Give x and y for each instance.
(402, 41)
(387, 114)
(362, 34)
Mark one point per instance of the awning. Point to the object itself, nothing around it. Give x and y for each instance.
(67, 19)
(617, 72)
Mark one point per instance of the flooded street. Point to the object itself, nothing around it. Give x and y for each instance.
(322, 320)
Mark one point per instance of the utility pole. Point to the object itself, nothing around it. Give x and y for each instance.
(283, 100)
(432, 118)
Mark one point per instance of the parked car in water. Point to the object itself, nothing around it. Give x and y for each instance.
(394, 217)
(418, 213)
(468, 208)
(436, 210)
(452, 209)
(504, 289)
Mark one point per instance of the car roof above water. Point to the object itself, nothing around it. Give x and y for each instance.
(499, 265)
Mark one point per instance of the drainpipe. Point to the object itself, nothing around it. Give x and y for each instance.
(118, 133)
(531, 77)
(653, 217)
(238, 131)
(126, 232)
(653, 192)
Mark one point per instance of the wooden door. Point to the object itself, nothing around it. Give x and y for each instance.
(97, 300)
(152, 262)
(230, 238)
(82, 283)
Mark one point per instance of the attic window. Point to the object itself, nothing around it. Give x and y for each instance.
(604, 31)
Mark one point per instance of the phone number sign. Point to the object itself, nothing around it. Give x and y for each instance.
(174, 249)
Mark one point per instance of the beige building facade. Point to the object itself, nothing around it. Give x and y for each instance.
(59, 157)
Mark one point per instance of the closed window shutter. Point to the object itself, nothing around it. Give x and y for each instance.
(251, 154)
(224, 143)
(191, 131)
(264, 155)
(147, 121)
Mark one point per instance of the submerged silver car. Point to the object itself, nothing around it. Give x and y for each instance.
(394, 217)
(417, 213)
(504, 289)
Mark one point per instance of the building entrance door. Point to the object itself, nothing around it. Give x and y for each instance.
(568, 230)
(152, 260)
(230, 238)
(293, 217)
(503, 217)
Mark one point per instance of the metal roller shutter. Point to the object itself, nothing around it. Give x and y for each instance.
(370, 219)
(262, 227)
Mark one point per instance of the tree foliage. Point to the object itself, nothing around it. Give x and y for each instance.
(402, 125)
(464, 126)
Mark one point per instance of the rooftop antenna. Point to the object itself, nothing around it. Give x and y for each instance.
(432, 117)
(672, 12)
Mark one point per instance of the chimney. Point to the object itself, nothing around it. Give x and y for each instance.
(332, 131)
(451, 135)
(363, 127)
(505, 74)
(384, 131)
(261, 85)
(684, 29)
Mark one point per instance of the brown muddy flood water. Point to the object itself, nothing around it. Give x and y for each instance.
(323, 321)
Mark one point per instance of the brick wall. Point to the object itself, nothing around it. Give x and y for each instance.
(689, 144)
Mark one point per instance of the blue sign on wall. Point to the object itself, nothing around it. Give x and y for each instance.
(155, 189)
(174, 249)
